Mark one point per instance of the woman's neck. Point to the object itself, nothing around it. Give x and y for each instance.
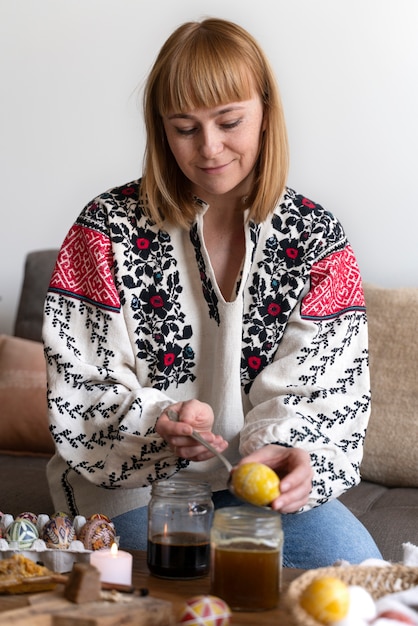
(223, 231)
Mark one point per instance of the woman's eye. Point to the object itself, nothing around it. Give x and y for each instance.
(229, 125)
(186, 131)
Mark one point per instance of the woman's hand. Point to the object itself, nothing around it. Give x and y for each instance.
(293, 465)
(192, 415)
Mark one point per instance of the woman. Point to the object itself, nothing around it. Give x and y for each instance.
(210, 288)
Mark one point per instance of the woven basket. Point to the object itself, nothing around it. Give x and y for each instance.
(378, 581)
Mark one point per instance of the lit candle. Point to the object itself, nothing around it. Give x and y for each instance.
(115, 566)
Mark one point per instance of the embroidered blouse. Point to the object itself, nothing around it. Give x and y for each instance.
(134, 321)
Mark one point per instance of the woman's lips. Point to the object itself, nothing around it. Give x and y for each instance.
(214, 169)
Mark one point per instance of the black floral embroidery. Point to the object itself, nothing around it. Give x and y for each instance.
(207, 287)
(285, 260)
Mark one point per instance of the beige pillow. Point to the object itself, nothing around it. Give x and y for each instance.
(23, 407)
(391, 446)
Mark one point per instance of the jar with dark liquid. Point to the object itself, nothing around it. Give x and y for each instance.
(180, 516)
(246, 557)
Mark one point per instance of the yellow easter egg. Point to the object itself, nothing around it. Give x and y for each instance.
(255, 483)
(326, 599)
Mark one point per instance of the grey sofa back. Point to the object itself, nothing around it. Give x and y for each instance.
(39, 265)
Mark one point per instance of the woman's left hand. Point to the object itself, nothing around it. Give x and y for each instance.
(192, 415)
(293, 466)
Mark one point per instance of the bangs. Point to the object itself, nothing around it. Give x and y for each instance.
(205, 75)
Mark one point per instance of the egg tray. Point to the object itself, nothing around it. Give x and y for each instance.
(378, 581)
(59, 561)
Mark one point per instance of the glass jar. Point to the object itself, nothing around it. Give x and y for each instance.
(180, 516)
(246, 557)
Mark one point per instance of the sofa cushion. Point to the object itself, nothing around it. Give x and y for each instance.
(24, 485)
(390, 453)
(388, 513)
(23, 407)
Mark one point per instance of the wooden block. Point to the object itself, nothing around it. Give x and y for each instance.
(83, 584)
(57, 611)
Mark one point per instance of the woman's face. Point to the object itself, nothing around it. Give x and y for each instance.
(217, 148)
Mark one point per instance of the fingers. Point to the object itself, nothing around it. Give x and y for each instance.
(189, 448)
(190, 415)
(296, 485)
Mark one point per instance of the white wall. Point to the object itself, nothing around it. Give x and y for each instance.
(70, 123)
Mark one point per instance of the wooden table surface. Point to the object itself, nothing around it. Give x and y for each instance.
(177, 591)
(173, 591)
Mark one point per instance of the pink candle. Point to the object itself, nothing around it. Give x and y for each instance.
(115, 566)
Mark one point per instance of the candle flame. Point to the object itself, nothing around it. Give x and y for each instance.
(114, 549)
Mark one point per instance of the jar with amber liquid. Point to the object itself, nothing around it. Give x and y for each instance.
(180, 516)
(246, 557)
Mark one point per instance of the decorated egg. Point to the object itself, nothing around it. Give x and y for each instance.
(58, 533)
(28, 515)
(23, 532)
(205, 610)
(61, 514)
(100, 516)
(97, 534)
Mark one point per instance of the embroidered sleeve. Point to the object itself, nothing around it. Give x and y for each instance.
(101, 418)
(316, 392)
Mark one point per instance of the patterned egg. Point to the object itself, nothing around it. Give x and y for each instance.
(28, 515)
(23, 532)
(58, 533)
(100, 516)
(97, 534)
(205, 611)
(61, 514)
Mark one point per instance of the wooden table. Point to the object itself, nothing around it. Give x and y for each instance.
(176, 591)
(172, 591)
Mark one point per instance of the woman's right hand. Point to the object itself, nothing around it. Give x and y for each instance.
(192, 415)
(293, 466)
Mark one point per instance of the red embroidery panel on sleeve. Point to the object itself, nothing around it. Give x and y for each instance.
(83, 269)
(335, 286)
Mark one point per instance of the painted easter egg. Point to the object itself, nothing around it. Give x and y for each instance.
(205, 610)
(61, 514)
(28, 515)
(23, 532)
(97, 534)
(58, 533)
(100, 516)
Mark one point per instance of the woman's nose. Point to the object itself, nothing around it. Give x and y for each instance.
(211, 143)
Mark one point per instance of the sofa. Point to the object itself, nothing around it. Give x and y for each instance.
(386, 500)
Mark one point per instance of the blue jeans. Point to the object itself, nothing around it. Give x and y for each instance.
(316, 538)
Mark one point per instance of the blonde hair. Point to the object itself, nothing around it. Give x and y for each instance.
(204, 64)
